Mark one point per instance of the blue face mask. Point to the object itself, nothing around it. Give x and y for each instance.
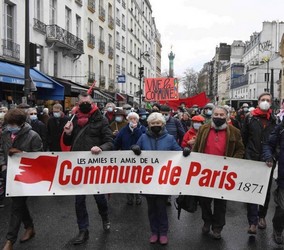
(118, 118)
(13, 129)
(33, 117)
(143, 117)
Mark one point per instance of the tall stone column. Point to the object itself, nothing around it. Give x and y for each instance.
(171, 65)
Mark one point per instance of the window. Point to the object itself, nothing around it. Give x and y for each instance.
(110, 71)
(10, 24)
(110, 40)
(38, 10)
(52, 12)
(90, 26)
(130, 90)
(78, 26)
(101, 33)
(101, 68)
(68, 19)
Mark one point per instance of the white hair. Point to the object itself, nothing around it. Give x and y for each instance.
(155, 116)
(132, 114)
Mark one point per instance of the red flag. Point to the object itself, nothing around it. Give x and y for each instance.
(91, 88)
(36, 170)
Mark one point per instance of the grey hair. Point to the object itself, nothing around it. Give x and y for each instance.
(221, 107)
(155, 116)
(132, 114)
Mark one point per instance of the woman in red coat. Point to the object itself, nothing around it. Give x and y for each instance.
(189, 137)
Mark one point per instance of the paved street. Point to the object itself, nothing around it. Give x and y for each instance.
(55, 225)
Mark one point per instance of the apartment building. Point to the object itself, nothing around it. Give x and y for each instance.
(82, 41)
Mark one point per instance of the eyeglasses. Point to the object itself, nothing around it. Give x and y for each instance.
(33, 113)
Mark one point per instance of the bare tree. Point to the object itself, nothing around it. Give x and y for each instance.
(190, 82)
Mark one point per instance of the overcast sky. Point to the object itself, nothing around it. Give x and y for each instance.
(195, 27)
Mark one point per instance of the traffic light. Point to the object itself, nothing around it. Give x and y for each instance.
(34, 55)
(141, 71)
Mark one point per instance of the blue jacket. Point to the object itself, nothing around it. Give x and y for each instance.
(126, 138)
(164, 141)
(276, 143)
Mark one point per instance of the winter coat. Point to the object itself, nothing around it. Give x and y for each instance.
(126, 137)
(254, 135)
(274, 148)
(234, 145)
(175, 128)
(41, 129)
(97, 133)
(188, 136)
(54, 130)
(164, 141)
(26, 140)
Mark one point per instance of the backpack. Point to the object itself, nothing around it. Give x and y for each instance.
(187, 203)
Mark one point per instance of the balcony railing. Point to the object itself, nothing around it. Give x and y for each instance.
(102, 13)
(111, 84)
(102, 47)
(91, 40)
(91, 77)
(123, 48)
(62, 38)
(117, 45)
(91, 5)
(11, 49)
(79, 2)
(117, 20)
(123, 4)
(110, 52)
(110, 22)
(39, 26)
(123, 26)
(102, 80)
(117, 69)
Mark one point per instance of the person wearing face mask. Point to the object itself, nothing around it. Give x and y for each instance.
(119, 122)
(257, 126)
(207, 112)
(127, 108)
(217, 138)
(17, 137)
(88, 131)
(55, 125)
(109, 112)
(190, 136)
(143, 115)
(242, 112)
(127, 137)
(185, 121)
(157, 138)
(38, 126)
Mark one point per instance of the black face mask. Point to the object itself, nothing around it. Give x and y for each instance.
(156, 129)
(85, 107)
(219, 121)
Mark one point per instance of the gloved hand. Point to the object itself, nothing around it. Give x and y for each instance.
(269, 162)
(13, 151)
(136, 149)
(186, 152)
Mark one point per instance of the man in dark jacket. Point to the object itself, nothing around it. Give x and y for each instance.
(55, 127)
(217, 138)
(255, 132)
(276, 143)
(90, 132)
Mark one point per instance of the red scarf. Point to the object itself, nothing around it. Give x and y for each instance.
(82, 119)
(259, 112)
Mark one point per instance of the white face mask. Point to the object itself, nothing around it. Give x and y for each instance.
(33, 117)
(167, 117)
(196, 125)
(265, 105)
(109, 109)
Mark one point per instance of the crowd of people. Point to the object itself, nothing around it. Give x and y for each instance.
(253, 133)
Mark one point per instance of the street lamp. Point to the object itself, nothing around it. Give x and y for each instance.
(266, 59)
(141, 74)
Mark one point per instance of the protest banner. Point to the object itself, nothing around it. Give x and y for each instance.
(153, 172)
(157, 89)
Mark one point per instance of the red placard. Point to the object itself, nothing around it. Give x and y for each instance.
(158, 89)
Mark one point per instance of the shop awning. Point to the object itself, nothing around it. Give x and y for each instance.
(47, 88)
(119, 97)
(71, 88)
(102, 97)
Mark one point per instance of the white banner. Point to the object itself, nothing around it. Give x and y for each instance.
(153, 172)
